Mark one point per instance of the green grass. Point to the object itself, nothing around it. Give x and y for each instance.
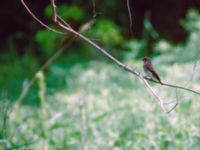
(103, 107)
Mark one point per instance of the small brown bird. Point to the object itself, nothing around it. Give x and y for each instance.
(149, 70)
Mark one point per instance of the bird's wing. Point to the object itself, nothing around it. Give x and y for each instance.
(154, 74)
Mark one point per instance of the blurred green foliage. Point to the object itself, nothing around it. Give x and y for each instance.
(72, 12)
(48, 41)
(107, 32)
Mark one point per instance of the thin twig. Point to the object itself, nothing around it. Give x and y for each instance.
(155, 94)
(130, 16)
(173, 86)
(43, 24)
(162, 103)
(193, 73)
(94, 9)
(53, 5)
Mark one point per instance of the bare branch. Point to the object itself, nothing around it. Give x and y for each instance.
(94, 9)
(130, 15)
(38, 20)
(53, 5)
(161, 101)
(196, 64)
(120, 64)
(66, 27)
(154, 93)
(173, 86)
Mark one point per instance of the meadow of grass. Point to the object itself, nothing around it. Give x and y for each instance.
(99, 106)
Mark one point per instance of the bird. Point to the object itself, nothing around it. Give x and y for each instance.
(149, 70)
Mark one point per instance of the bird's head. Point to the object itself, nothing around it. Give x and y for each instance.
(146, 59)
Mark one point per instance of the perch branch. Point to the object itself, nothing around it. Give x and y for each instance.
(65, 26)
(173, 86)
(120, 64)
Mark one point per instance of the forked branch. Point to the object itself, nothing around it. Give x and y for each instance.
(66, 27)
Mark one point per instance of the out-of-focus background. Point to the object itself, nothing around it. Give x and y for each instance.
(84, 101)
